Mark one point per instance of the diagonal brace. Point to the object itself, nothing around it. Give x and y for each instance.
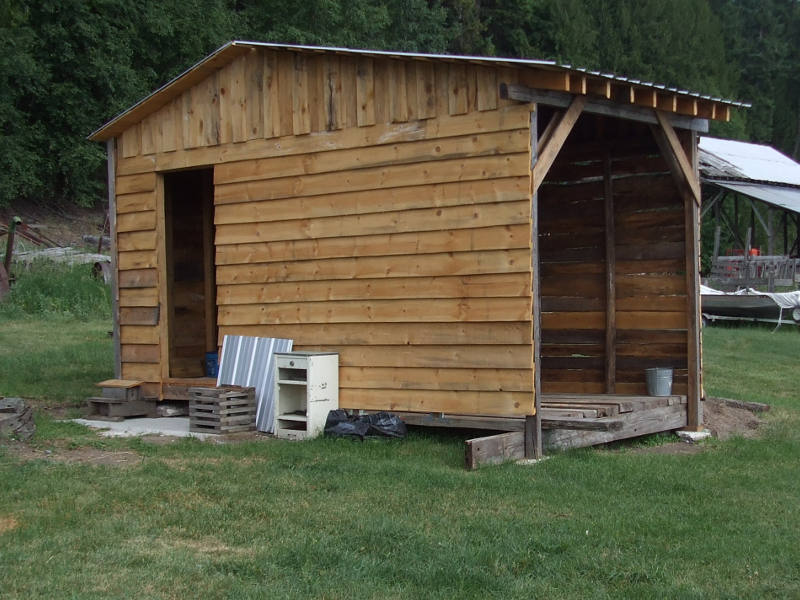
(554, 140)
(676, 158)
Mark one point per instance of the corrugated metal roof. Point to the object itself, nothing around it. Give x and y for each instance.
(232, 50)
(787, 198)
(743, 161)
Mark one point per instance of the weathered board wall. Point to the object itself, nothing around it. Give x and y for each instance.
(139, 313)
(373, 206)
(649, 282)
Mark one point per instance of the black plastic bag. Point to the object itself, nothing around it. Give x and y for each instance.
(380, 424)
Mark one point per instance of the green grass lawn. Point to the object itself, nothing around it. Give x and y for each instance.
(53, 358)
(403, 519)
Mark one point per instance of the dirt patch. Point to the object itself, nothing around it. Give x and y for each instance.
(8, 524)
(66, 410)
(83, 455)
(724, 420)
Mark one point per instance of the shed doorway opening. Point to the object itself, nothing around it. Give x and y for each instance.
(191, 283)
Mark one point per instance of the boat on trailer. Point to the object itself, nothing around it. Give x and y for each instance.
(750, 305)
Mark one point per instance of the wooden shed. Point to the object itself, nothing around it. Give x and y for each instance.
(476, 237)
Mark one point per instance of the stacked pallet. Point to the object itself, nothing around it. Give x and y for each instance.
(226, 409)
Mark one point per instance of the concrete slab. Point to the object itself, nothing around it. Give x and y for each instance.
(174, 426)
(694, 436)
(527, 462)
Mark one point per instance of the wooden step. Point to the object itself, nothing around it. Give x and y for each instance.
(123, 389)
(599, 424)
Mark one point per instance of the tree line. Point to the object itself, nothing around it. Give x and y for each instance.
(67, 66)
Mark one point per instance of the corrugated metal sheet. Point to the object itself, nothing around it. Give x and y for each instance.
(787, 198)
(249, 361)
(731, 159)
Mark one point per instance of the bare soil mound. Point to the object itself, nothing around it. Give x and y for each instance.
(726, 418)
(65, 225)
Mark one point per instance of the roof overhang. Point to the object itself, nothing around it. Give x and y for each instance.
(786, 198)
(612, 87)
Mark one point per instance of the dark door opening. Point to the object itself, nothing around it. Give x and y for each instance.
(191, 284)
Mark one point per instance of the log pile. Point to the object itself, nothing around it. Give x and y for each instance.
(16, 419)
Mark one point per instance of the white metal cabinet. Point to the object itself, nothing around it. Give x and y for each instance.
(306, 388)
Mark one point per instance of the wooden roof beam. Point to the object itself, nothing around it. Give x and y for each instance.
(577, 84)
(554, 139)
(674, 154)
(546, 79)
(667, 102)
(622, 93)
(600, 106)
(687, 106)
(599, 87)
(707, 109)
(645, 97)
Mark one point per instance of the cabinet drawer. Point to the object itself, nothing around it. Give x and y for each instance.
(291, 362)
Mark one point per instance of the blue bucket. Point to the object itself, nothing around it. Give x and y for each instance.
(212, 364)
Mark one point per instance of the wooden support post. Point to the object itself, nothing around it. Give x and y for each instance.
(611, 286)
(547, 152)
(785, 233)
(717, 226)
(533, 431)
(4, 282)
(165, 275)
(209, 285)
(694, 350)
(770, 233)
(795, 249)
(111, 154)
(533, 436)
(12, 228)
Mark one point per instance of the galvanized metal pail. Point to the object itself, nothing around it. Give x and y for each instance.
(659, 381)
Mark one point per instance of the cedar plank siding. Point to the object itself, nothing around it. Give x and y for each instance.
(372, 206)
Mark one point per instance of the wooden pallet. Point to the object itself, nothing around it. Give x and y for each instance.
(117, 409)
(228, 409)
(121, 398)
